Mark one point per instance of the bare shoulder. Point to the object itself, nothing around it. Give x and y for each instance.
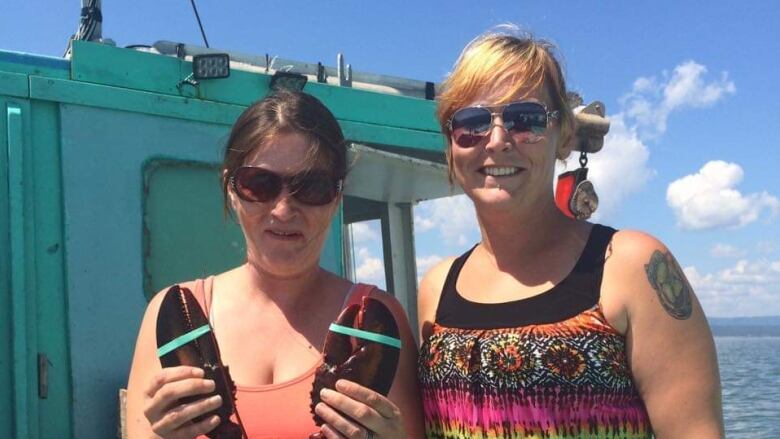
(630, 252)
(432, 283)
(428, 294)
(646, 269)
(433, 280)
(634, 246)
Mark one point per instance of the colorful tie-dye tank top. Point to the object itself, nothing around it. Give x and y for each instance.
(549, 366)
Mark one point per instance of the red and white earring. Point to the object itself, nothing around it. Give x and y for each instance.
(575, 194)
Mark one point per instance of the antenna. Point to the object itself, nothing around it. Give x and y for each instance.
(197, 16)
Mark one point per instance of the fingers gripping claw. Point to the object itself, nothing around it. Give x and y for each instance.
(362, 346)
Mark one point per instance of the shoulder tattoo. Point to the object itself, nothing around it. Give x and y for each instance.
(668, 280)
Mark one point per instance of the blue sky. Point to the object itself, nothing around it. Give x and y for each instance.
(690, 88)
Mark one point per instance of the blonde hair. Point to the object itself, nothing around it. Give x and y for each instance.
(505, 55)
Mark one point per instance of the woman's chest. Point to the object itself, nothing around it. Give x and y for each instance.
(266, 356)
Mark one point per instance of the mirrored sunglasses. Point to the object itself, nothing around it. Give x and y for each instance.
(527, 120)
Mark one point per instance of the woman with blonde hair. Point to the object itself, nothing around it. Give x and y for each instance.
(550, 326)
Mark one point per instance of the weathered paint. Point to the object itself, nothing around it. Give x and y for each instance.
(181, 200)
(20, 330)
(50, 313)
(6, 348)
(14, 84)
(115, 98)
(110, 97)
(101, 64)
(35, 65)
(104, 154)
(31, 276)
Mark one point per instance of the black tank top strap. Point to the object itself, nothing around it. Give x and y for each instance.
(584, 281)
(449, 296)
(594, 255)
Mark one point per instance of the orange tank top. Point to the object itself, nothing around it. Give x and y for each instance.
(278, 410)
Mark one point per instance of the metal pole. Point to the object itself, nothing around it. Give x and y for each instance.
(400, 262)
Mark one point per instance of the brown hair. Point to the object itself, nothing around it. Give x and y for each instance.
(286, 111)
(496, 57)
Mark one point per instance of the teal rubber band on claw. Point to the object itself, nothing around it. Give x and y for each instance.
(182, 340)
(370, 336)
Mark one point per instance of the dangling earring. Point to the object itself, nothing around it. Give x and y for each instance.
(575, 194)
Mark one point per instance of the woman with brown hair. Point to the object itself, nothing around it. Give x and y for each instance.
(550, 326)
(283, 171)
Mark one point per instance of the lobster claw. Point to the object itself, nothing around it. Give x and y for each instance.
(184, 338)
(362, 346)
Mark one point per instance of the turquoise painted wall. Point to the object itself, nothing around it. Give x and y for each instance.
(31, 273)
(103, 158)
(6, 334)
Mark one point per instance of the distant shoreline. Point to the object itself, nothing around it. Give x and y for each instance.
(745, 326)
(746, 331)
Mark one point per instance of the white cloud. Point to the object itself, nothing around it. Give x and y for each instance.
(363, 232)
(454, 217)
(370, 269)
(651, 101)
(749, 288)
(726, 251)
(686, 87)
(708, 199)
(620, 168)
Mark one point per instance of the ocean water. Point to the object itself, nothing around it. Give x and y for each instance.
(750, 377)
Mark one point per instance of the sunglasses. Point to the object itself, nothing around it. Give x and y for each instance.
(523, 120)
(258, 185)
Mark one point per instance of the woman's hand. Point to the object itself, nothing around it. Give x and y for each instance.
(368, 413)
(172, 419)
